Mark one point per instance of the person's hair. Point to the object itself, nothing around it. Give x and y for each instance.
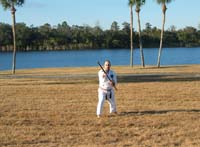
(107, 61)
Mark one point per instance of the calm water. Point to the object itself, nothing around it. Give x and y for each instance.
(170, 56)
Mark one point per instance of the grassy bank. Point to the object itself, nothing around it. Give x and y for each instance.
(56, 107)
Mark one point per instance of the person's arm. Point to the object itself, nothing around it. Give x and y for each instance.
(114, 78)
(102, 76)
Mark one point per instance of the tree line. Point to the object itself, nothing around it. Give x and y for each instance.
(65, 37)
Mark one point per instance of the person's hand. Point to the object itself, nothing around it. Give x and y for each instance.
(104, 75)
(112, 83)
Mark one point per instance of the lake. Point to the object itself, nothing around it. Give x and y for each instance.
(81, 58)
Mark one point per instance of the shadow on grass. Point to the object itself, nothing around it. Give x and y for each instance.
(157, 78)
(122, 78)
(155, 112)
(163, 67)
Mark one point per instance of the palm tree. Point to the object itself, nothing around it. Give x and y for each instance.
(164, 8)
(131, 3)
(10, 4)
(139, 3)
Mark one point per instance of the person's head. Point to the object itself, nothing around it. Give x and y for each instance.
(107, 65)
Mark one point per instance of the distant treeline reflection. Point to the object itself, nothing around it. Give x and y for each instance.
(65, 37)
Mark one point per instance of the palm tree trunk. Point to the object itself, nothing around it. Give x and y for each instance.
(13, 10)
(140, 38)
(131, 37)
(161, 36)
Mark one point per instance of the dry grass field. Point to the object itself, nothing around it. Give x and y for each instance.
(57, 108)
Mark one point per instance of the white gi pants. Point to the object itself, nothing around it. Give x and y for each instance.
(106, 95)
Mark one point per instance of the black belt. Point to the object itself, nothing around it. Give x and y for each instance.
(105, 89)
(109, 90)
(110, 95)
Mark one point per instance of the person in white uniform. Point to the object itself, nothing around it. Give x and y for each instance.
(105, 90)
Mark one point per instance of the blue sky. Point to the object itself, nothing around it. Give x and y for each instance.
(180, 13)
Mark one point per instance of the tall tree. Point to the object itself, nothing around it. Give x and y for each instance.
(114, 26)
(10, 4)
(164, 8)
(139, 3)
(131, 3)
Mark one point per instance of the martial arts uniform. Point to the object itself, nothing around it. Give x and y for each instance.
(106, 92)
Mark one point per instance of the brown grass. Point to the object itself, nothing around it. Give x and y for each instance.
(53, 108)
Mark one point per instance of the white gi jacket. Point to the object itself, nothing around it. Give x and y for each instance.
(104, 82)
